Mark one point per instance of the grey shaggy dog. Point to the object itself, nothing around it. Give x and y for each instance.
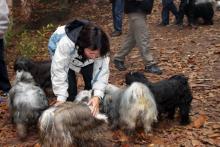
(129, 107)
(26, 102)
(72, 124)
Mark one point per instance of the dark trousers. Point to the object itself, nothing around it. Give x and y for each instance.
(4, 81)
(185, 8)
(86, 72)
(168, 5)
(117, 14)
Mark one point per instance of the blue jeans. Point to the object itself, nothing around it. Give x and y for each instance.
(168, 5)
(117, 14)
(4, 81)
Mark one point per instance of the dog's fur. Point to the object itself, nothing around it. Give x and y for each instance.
(169, 94)
(132, 106)
(40, 70)
(129, 107)
(26, 102)
(72, 124)
(196, 9)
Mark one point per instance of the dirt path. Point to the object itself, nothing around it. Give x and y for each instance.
(194, 52)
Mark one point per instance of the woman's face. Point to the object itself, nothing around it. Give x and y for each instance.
(91, 54)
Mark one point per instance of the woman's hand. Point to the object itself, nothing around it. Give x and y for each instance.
(94, 101)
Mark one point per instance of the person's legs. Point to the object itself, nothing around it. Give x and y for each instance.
(72, 90)
(87, 72)
(173, 9)
(165, 13)
(141, 37)
(181, 12)
(117, 14)
(4, 81)
(128, 45)
(142, 40)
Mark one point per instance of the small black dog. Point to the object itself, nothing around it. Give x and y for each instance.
(169, 94)
(40, 70)
(200, 9)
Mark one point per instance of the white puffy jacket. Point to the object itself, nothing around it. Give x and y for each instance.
(64, 56)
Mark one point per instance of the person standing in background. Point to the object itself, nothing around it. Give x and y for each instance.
(4, 21)
(168, 6)
(117, 14)
(137, 35)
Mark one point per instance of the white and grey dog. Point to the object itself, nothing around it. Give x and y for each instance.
(72, 124)
(128, 107)
(26, 102)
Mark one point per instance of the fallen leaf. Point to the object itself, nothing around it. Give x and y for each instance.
(37, 145)
(200, 121)
(196, 143)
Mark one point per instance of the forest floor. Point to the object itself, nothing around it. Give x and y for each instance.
(193, 52)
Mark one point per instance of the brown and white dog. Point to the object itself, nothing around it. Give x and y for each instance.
(72, 124)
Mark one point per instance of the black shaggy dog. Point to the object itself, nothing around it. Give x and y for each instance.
(40, 70)
(169, 94)
(196, 9)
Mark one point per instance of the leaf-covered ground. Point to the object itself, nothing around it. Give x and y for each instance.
(194, 52)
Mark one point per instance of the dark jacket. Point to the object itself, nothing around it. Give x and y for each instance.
(138, 6)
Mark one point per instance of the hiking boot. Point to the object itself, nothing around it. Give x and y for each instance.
(162, 24)
(119, 65)
(116, 33)
(153, 69)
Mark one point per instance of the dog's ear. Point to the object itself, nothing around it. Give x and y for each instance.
(22, 63)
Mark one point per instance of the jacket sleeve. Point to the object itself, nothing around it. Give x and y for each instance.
(3, 17)
(60, 68)
(100, 76)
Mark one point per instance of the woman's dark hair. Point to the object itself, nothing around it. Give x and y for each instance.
(93, 37)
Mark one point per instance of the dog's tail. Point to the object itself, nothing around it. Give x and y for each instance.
(46, 126)
(142, 96)
(46, 121)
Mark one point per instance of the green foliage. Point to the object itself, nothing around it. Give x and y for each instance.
(9, 33)
(34, 42)
(28, 45)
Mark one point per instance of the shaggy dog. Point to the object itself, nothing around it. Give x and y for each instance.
(169, 94)
(26, 102)
(196, 9)
(129, 107)
(40, 70)
(72, 124)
